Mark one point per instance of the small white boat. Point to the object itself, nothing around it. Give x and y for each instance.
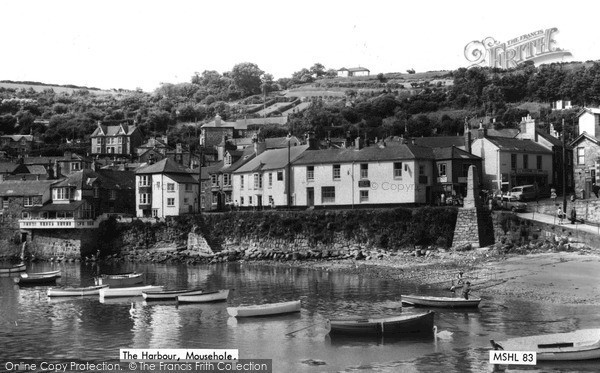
(579, 345)
(135, 291)
(267, 309)
(169, 294)
(212, 296)
(75, 292)
(120, 279)
(384, 325)
(37, 278)
(14, 269)
(449, 302)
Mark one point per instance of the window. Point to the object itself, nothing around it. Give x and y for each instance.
(61, 193)
(5, 203)
(364, 170)
(250, 200)
(328, 194)
(145, 180)
(270, 179)
(189, 188)
(75, 166)
(96, 192)
(227, 179)
(257, 181)
(525, 161)
(98, 149)
(215, 198)
(310, 173)
(170, 202)
(421, 170)
(185, 201)
(154, 213)
(170, 187)
(580, 155)
(241, 181)
(364, 196)
(120, 149)
(442, 169)
(144, 199)
(113, 194)
(397, 169)
(28, 201)
(25, 215)
(227, 159)
(539, 162)
(242, 201)
(279, 175)
(513, 161)
(337, 173)
(214, 179)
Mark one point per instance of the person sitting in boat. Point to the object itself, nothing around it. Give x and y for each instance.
(466, 290)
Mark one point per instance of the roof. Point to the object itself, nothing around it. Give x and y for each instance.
(238, 125)
(183, 178)
(18, 137)
(107, 179)
(47, 160)
(270, 120)
(590, 110)
(505, 132)
(121, 129)
(353, 69)
(164, 166)
(440, 141)
(272, 159)
(584, 135)
(155, 143)
(551, 139)
(452, 152)
(71, 206)
(280, 142)
(369, 154)
(37, 169)
(518, 145)
(7, 167)
(24, 187)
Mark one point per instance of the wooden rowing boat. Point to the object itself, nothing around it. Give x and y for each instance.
(75, 292)
(421, 323)
(579, 345)
(37, 278)
(120, 279)
(14, 269)
(449, 302)
(268, 309)
(169, 294)
(135, 291)
(212, 296)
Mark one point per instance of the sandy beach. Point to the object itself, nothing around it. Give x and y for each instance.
(555, 277)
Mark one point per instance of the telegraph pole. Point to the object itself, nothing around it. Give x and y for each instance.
(564, 167)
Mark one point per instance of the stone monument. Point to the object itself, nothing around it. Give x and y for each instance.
(472, 215)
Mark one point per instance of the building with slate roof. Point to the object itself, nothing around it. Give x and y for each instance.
(61, 166)
(19, 195)
(19, 144)
(509, 162)
(390, 173)
(263, 180)
(115, 141)
(451, 171)
(166, 188)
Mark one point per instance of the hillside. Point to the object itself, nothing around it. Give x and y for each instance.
(40, 87)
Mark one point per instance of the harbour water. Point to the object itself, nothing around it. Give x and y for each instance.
(36, 327)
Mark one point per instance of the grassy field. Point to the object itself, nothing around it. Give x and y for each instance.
(55, 88)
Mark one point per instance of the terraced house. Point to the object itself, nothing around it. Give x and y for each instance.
(382, 174)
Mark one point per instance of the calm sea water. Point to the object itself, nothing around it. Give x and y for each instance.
(36, 327)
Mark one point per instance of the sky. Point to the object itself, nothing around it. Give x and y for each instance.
(140, 44)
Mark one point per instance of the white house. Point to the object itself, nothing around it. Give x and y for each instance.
(165, 189)
(263, 181)
(508, 162)
(353, 71)
(381, 174)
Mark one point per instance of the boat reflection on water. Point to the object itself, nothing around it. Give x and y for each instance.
(339, 340)
(265, 321)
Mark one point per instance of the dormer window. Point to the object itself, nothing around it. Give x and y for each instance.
(228, 159)
(62, 194)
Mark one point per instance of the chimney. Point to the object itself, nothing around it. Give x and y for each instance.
(311, 140)
(165, 139)
(217, 120)
(57, 171)
(259, 145)
(467, 135)
(481, 131)
(68, 154)
(357, 143)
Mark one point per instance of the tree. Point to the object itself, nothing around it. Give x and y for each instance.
(246, 77)
(318, 70)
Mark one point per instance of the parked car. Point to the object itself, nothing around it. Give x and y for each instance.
(509, 202)
(524, 192)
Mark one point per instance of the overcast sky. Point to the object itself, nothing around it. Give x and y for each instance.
(131, 43)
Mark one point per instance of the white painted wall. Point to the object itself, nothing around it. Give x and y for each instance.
(160, 196)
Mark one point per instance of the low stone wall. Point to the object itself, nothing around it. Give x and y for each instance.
(586, 209)
(60, 244)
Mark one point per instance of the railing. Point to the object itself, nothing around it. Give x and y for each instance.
(65, 223)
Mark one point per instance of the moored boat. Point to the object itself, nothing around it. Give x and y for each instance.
(134, 291)
(578, 345)
(14, 269)
(421, 323)
(449, 302)
(120, 279)
(169, 294)
(37, 278)
(268, 309)
(75, 292)
(211, 296)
